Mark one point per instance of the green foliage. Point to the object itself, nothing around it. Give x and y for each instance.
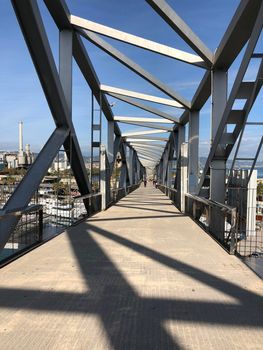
(13, 171)
(260, 189)
(61, 189)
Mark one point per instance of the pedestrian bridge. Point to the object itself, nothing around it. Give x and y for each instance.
(140, 275)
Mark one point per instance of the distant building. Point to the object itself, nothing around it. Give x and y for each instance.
(20, 159)
(60, 164)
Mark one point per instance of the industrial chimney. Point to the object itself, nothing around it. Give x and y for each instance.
(21, 154)
(20, 137)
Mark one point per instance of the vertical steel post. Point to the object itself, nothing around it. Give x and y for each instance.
(131, 166)
(183, 177)
(179, 139)
(193, 151)
(40, 224)
(110, 143)
(218, 166)
(103, 178)
(251, 204)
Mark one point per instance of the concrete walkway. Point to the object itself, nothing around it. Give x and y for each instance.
(139, 276)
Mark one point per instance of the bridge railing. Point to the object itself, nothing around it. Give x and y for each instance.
(134, 187)
(85, 206)
(203, 211)
(172, 193)
(118, 193)
(27, 233)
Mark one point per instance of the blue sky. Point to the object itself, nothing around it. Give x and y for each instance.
(21, 94)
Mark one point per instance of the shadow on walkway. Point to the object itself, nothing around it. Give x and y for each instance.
(130, 320)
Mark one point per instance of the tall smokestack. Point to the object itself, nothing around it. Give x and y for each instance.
(20, 136)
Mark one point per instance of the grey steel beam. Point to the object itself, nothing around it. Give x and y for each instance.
(156, 151)
(193, 151)
(179, 139)
(201, 95)
(218, 167)
(142, 120)
(31, 181)
(143, 132)
(110, 141)
(228, 110)
(149, 152)
(181, 28)
(65, 64)
(235, 38)
(146, 157)
(146, 141)
(141, 96)
(165, 158)
(82, 58)
(35, 36)
(237, 33)
(152, 138)
(61, 15)
(147, 125)
(116, 148)
(124, 176)
(140, 105)
(119, 56)
(147, 145)
(130, 163)
(153, 157)
(104, 181)
(137, 41)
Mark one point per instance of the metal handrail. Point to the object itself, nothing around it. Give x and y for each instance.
(211, 203)
(20, 211)
(226, 209)
(86, 196)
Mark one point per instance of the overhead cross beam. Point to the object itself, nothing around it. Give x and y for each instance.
(140, 96)
(141, 120)
(147, 152)
(143, 132)
(144, 107)
(147, 146)
(142, 138)
(119, 56)
(151, 154)
(138, 41)
(86, 68)
(61, 15)
(143, 148)
(181, 28)
(148, 125)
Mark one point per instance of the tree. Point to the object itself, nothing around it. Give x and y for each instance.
(260, 189)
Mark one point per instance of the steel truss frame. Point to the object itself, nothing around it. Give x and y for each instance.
(145, 150)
